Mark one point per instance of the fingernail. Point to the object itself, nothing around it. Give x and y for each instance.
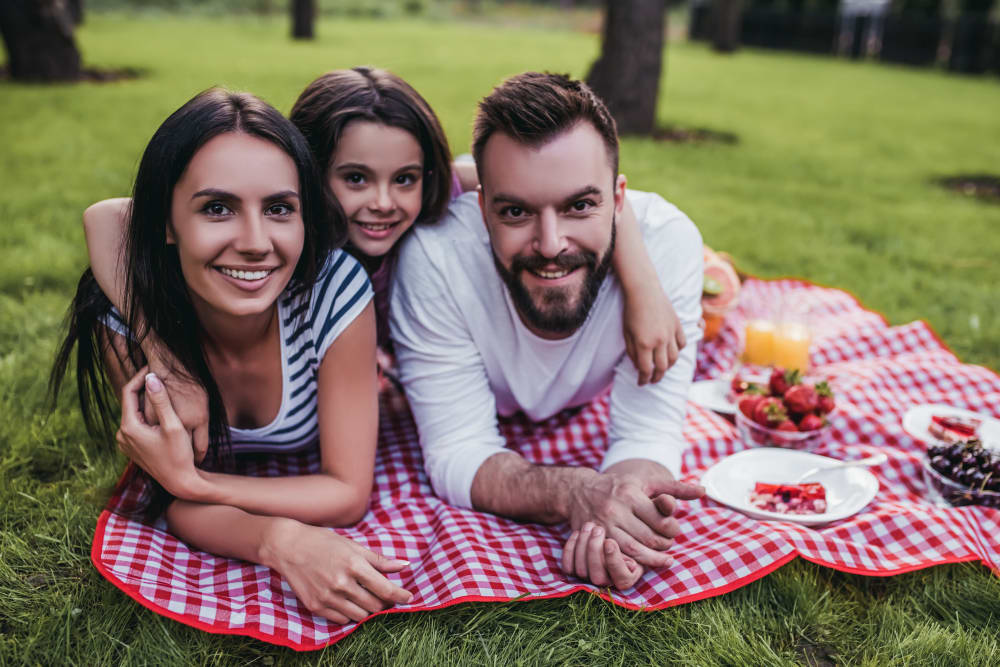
(598, 531)
(404, 563)
(153, 383)
(609, 548)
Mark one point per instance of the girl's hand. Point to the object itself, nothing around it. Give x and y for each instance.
(590, 555)
(163, 450)
(654, 336)
(333, 576)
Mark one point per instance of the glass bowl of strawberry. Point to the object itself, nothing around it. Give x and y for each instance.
(789, 412)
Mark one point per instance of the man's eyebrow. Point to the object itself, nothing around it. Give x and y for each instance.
(501, 198)
(589, 191)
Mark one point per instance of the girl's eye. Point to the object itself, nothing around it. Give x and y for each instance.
(216, 209)
(406, 179)
(280, 209)
(354, 178)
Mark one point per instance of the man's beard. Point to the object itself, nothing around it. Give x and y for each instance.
(555, 314)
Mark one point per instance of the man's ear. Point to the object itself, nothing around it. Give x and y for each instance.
(482, 203)
(620, 183)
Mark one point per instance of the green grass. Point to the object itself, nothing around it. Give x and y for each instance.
(830, 181)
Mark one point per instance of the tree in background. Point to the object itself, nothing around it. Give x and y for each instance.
(627, 73)
(726, 22)
(303, 18)
(38, 36)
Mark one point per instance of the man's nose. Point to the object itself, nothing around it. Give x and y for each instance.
(549, 241)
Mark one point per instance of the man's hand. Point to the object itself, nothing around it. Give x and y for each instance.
(633, 502)
(187, 396)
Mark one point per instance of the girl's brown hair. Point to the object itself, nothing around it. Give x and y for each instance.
(335, 99)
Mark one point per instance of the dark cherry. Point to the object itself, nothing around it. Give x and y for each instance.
(940, 463)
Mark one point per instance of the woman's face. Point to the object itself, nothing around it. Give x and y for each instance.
(235, 218)
(376, 174)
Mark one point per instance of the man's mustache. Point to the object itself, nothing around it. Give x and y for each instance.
(563, 261)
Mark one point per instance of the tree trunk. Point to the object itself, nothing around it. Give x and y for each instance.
(726, 22)
(303, 18)
(627, 75)
(38, 35)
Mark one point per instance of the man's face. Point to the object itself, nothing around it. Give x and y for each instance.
(550, 212)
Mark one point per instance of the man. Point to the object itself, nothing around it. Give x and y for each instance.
(508, 305)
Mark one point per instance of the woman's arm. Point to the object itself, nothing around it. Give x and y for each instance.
(332, 576)
(348, 424)
(468, 177)
(653, 334)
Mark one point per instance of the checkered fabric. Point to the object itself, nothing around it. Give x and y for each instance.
(457, 555)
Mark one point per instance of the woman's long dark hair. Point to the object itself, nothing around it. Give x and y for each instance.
(156, 298)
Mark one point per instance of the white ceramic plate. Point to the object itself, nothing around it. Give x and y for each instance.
(712, 394)
(730, 481)
(918, 418)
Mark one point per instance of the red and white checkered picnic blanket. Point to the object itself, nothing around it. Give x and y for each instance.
(458, 555)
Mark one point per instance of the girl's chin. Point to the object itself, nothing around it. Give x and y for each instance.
(371, 247)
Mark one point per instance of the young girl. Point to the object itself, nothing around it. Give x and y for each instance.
(229, 262)
(387, 163)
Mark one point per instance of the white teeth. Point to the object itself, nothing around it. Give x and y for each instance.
(550, 275)
(376, 228)
(245, 275)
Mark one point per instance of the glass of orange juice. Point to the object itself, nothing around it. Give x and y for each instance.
(792, 337)
(758, 346)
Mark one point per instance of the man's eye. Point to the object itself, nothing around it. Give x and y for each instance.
(280, 209)
(512, 211)
(216, 209)
(582, 205)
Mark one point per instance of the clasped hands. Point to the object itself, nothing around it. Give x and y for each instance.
(623, 523)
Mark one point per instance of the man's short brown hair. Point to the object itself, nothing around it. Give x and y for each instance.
(534, 107)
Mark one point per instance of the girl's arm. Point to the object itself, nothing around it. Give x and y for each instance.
(653, 334)
(468, 178)
(104, 229)
(348, 426)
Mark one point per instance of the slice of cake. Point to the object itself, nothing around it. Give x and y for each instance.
(789, 498)
(952, 429)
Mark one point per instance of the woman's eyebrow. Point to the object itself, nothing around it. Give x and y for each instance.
(352, 165)
(215, 192)
(284, 194)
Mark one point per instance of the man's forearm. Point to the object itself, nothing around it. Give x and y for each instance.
(509, 486)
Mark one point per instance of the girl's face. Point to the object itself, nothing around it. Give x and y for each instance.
(376, 174)
(235, 218)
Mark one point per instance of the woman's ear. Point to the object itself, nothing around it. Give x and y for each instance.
(170, 235)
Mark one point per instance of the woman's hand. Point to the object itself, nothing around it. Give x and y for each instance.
(654, 336)
(333, 576)
(163, 450)
(188, 398)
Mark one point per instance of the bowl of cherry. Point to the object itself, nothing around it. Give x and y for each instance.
(964, 473)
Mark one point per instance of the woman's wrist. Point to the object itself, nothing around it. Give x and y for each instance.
(277, 535)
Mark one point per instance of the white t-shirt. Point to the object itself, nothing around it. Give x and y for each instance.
(464, 354)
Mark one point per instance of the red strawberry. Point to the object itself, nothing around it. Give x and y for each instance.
(801, 399)
(825, 398)
(781, 380)
(811, 422)
(787, 425)
(739, 385)
(748, 403)
(770, 412)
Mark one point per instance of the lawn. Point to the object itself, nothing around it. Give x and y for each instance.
(830, 180)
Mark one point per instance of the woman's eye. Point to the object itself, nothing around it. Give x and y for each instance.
(216, 209)
(354, 178)
(280, 209)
